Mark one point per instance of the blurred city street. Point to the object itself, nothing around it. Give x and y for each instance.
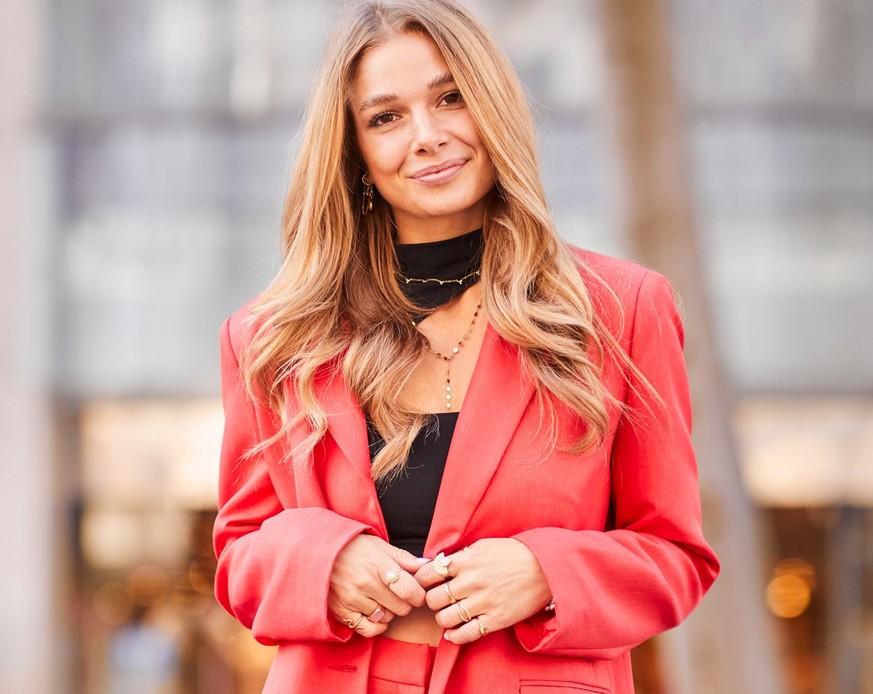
(144, 151)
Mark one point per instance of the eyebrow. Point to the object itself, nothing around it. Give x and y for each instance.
(380, 99)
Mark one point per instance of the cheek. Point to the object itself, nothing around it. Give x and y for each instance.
(380, 155)
(365, 147)
(467, 126)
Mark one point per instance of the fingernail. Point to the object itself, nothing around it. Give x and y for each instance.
(422, 560)
(446, 636)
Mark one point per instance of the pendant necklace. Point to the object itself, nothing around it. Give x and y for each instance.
(447, 358)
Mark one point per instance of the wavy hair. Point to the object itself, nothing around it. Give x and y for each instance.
(335, 304)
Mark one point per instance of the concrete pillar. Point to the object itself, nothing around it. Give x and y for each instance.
(727, 645)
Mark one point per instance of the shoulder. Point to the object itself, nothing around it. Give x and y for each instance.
(623, 292)
(238, 328)
(610, 280)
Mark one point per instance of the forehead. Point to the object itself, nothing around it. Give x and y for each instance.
(400, 64)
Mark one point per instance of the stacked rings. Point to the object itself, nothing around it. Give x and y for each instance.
(463, 612)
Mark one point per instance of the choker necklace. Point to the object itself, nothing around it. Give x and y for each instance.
(447, 358)
(432, 274)
(460, 280)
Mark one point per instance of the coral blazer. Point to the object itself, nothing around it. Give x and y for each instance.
(616, 530)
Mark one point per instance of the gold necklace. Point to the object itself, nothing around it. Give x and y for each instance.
(447, 358)
(425, 280)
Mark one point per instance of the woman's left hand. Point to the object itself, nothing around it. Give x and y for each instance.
(492, 584)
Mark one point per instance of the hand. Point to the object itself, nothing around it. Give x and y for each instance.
(494, 584)
(360, 595)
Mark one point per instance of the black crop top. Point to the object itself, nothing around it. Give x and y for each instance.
(408, 502)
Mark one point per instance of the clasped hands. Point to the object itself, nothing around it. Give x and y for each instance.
(490, 585)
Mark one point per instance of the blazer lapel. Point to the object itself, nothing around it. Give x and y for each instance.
(346, 425)
(495, 401)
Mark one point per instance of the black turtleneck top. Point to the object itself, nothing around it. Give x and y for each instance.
(408, 501)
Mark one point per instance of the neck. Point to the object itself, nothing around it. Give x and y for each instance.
(421, 235)
(410, 228)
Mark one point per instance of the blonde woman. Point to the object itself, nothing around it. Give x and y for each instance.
(457, 453)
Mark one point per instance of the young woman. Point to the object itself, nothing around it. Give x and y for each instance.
(457, 454)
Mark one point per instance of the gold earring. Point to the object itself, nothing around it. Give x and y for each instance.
(367, 196)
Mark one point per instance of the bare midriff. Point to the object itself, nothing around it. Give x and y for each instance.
(419, 626)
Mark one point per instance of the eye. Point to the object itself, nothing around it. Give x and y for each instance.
(380, 119)
(453, 98)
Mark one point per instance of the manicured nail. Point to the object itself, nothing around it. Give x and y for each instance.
(422, 560)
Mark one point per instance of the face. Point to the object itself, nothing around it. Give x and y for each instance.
(419, 143)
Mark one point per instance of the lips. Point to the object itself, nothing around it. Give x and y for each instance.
(439, 173)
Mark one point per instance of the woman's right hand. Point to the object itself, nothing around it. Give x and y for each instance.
(362, 593)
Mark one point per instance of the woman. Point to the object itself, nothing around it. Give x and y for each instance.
(457, 453)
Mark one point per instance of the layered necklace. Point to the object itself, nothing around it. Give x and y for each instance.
(432, 274)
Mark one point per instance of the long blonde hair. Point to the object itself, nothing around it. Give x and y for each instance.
(335, 303)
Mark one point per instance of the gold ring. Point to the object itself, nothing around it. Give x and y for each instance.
(441, 564)
(463, 612)
(392, 576)
(449, 595)
(357, 622)
(482, 628)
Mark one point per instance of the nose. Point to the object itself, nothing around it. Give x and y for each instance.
(429, 135)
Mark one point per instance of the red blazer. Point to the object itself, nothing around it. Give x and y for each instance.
(617, 531)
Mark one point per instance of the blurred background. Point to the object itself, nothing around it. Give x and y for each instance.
(144, 148)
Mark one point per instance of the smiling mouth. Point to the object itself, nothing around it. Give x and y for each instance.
(435, 175)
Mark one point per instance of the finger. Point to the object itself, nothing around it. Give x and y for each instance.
(445, 594)
(455, 615)
(359, 623)
(470, 631)
(407, 589)
(407, 560)
(347, 613)
(397, 592)
(431, 574)
(377, 614)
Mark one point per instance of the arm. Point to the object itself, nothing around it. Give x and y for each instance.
(615, 589)
(274, 563)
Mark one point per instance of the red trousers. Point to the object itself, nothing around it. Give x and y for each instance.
(399, 667)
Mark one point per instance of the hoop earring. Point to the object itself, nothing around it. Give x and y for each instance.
(366, 196)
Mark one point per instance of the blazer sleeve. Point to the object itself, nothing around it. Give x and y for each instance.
(274, 559)
(615, 589)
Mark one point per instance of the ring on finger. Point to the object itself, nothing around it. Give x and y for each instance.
(463, 612)
(483, 630)
(441, 564)
(391, 576)
(377, 615)
(449, 595)
(356, 623)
